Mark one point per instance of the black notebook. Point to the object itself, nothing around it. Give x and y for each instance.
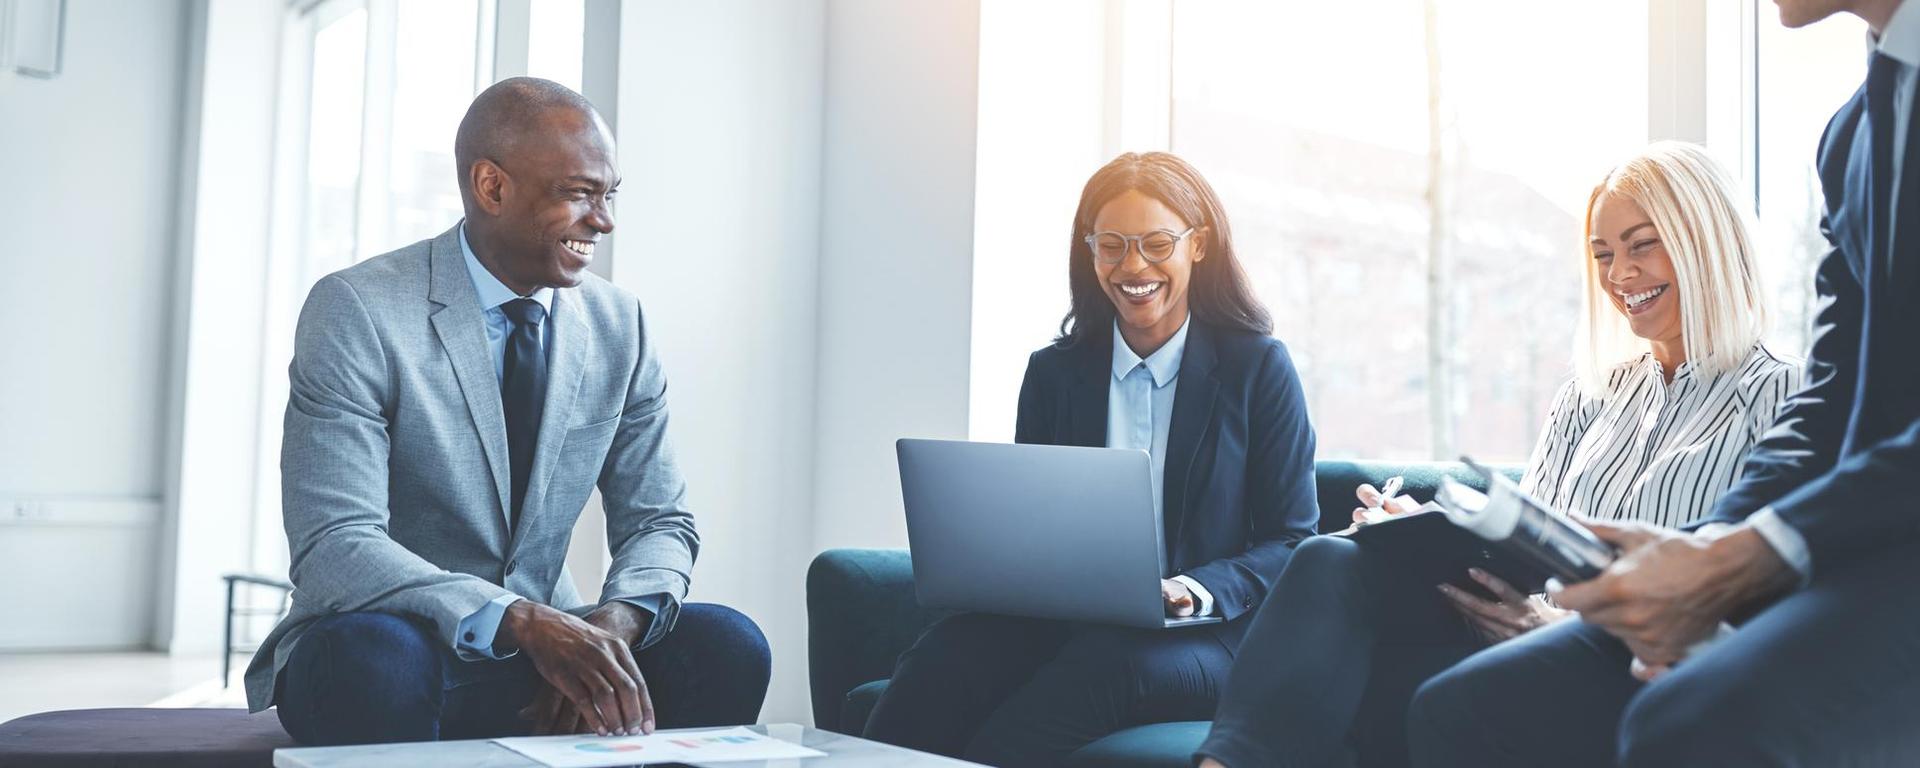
(1426, 546)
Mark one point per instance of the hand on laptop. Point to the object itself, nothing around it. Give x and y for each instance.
(1179, 599)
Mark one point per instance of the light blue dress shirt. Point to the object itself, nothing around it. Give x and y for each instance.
(478, 630)
(1140, 401)
(1140, 413)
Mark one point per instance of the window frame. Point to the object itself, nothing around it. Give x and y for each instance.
(288, 263)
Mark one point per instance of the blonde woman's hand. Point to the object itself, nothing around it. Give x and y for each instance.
(1512, 615)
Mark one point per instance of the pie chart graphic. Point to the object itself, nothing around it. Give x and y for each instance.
(616, 747)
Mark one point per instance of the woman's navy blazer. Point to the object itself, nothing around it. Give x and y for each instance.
(1239, 490)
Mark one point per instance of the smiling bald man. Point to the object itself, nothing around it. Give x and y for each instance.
(453, 404)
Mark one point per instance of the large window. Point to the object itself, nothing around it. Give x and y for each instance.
(1405, 178)
(372, 92)
(1405, 181)
(555, 43)
(1801, 77)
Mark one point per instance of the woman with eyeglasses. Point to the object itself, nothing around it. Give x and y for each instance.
(1672, 387)
(1165, 349)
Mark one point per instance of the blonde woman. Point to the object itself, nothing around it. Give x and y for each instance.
(1672, 387)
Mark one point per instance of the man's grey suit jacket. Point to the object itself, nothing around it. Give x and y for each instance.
(394, 479)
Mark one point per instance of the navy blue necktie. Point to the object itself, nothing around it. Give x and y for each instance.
(523, 392)
(1883, 75)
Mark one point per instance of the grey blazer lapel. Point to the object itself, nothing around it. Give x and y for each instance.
(572, 343)
(462, 331)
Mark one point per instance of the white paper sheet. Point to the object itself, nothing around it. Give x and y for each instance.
(712, 746)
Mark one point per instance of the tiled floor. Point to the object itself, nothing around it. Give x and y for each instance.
(38, 682)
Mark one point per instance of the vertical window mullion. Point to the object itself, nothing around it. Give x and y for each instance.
(1677, 70)
(1139, 73)
(487, 42)
(1750, 92)
(374, 214)
(513, 20)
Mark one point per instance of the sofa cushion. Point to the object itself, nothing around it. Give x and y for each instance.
(861, 614)
(144, 737)
(1160, 745)
(859, 706)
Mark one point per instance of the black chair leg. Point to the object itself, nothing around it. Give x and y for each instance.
(226, 641)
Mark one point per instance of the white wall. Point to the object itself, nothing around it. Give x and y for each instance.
(718, 232)
(896, 252)
(87, 254)
(803, 176)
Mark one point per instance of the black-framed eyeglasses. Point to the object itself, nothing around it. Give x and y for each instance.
(1156, 246)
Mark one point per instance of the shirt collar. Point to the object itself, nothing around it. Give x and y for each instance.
(1901, 39)
(1684, 370)
(1163, 365)
(494, 293)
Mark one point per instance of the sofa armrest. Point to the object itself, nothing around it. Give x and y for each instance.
(861, 614)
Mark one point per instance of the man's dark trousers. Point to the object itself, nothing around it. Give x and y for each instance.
(367, 677)
(1828, 676)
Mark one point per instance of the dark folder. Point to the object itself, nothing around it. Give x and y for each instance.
(1426, 546)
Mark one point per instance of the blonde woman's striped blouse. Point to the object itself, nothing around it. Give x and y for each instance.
(1655, 451)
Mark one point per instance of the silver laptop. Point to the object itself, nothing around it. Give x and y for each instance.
(1047, 531)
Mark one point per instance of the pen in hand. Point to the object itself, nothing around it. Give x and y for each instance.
(1389, 489)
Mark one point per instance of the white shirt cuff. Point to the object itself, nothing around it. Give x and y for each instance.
(1784, 539)
(475, 636)
(1200, 595)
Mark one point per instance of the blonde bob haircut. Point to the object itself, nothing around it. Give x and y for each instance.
(1704, 225)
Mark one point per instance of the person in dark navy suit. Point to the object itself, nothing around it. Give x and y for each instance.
(1165, 349)
(1813, 558)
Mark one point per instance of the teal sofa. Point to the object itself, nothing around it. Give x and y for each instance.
(861, 614)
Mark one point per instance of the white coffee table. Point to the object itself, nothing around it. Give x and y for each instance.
(842, 752)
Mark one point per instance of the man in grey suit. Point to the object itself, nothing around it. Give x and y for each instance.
(453, 404)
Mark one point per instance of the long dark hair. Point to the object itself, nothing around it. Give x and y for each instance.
(1220, 294)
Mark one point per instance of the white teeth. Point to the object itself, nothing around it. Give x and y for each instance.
(1637, 299)
(1140, 290)
(578, 246)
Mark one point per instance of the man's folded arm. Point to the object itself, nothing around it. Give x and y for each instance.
(333, 466)
(1804, 441)
(1857, 506)
(650, 533)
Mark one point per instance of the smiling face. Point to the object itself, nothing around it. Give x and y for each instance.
(548, 201)
(1149, 299)
(1635, 269)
